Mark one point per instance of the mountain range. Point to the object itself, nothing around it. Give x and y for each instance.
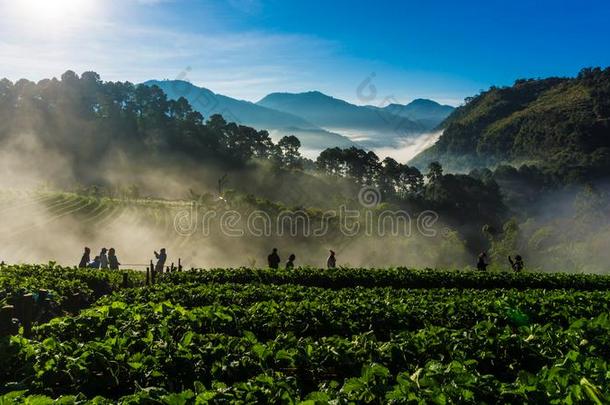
(318, 120)
(426, 113)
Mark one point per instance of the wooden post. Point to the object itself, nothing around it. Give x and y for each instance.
(28, 311)
(125, 280)
(149, 273)
(172, 268)
(42, 295)
(6, 320)
(15, 301)
(179, 264)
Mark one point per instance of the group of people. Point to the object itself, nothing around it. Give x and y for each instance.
(107, 259)
(517, 264)
(273, 260)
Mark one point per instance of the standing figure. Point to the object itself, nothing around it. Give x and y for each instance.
(104, 259)
(84, 261)
(482, 262)
(274, 259)
(161, 258)
(517, 265)
(290, 262)
(331, 263)
(113, 261)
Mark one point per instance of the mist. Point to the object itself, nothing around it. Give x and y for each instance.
(81, 171)
(48, 215)
(407, 148)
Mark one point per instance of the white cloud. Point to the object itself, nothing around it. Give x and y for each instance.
(242, 64)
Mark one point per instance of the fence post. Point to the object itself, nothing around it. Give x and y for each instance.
(179, 264)
(6, 320)
(125, 280)
(27, 301)
(42, 295)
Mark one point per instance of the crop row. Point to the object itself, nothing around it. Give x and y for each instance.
(498, 360)
(310, 311)
(394, 277)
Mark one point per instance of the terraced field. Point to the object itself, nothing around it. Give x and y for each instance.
(80, 220)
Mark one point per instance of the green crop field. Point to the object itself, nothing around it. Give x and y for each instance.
(309, 336)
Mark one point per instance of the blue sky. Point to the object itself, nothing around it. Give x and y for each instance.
(247, 48)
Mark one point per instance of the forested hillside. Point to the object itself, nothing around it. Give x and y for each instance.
(83, 130)
(562, 124)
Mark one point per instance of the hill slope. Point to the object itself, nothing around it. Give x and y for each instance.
(556, 122)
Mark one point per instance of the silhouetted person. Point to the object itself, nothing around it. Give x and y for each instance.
(161, 258)
(95, 264)
(113, 261)
(331, 263)
(517, 265)
(274, 259)
(482, 263)
(84, 261)
(104, 259)
(290, 262)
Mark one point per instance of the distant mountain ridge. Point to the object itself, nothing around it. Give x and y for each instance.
(318, 120)
(207, 102)
(426, 112)
(374, 126)
(246, 113)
